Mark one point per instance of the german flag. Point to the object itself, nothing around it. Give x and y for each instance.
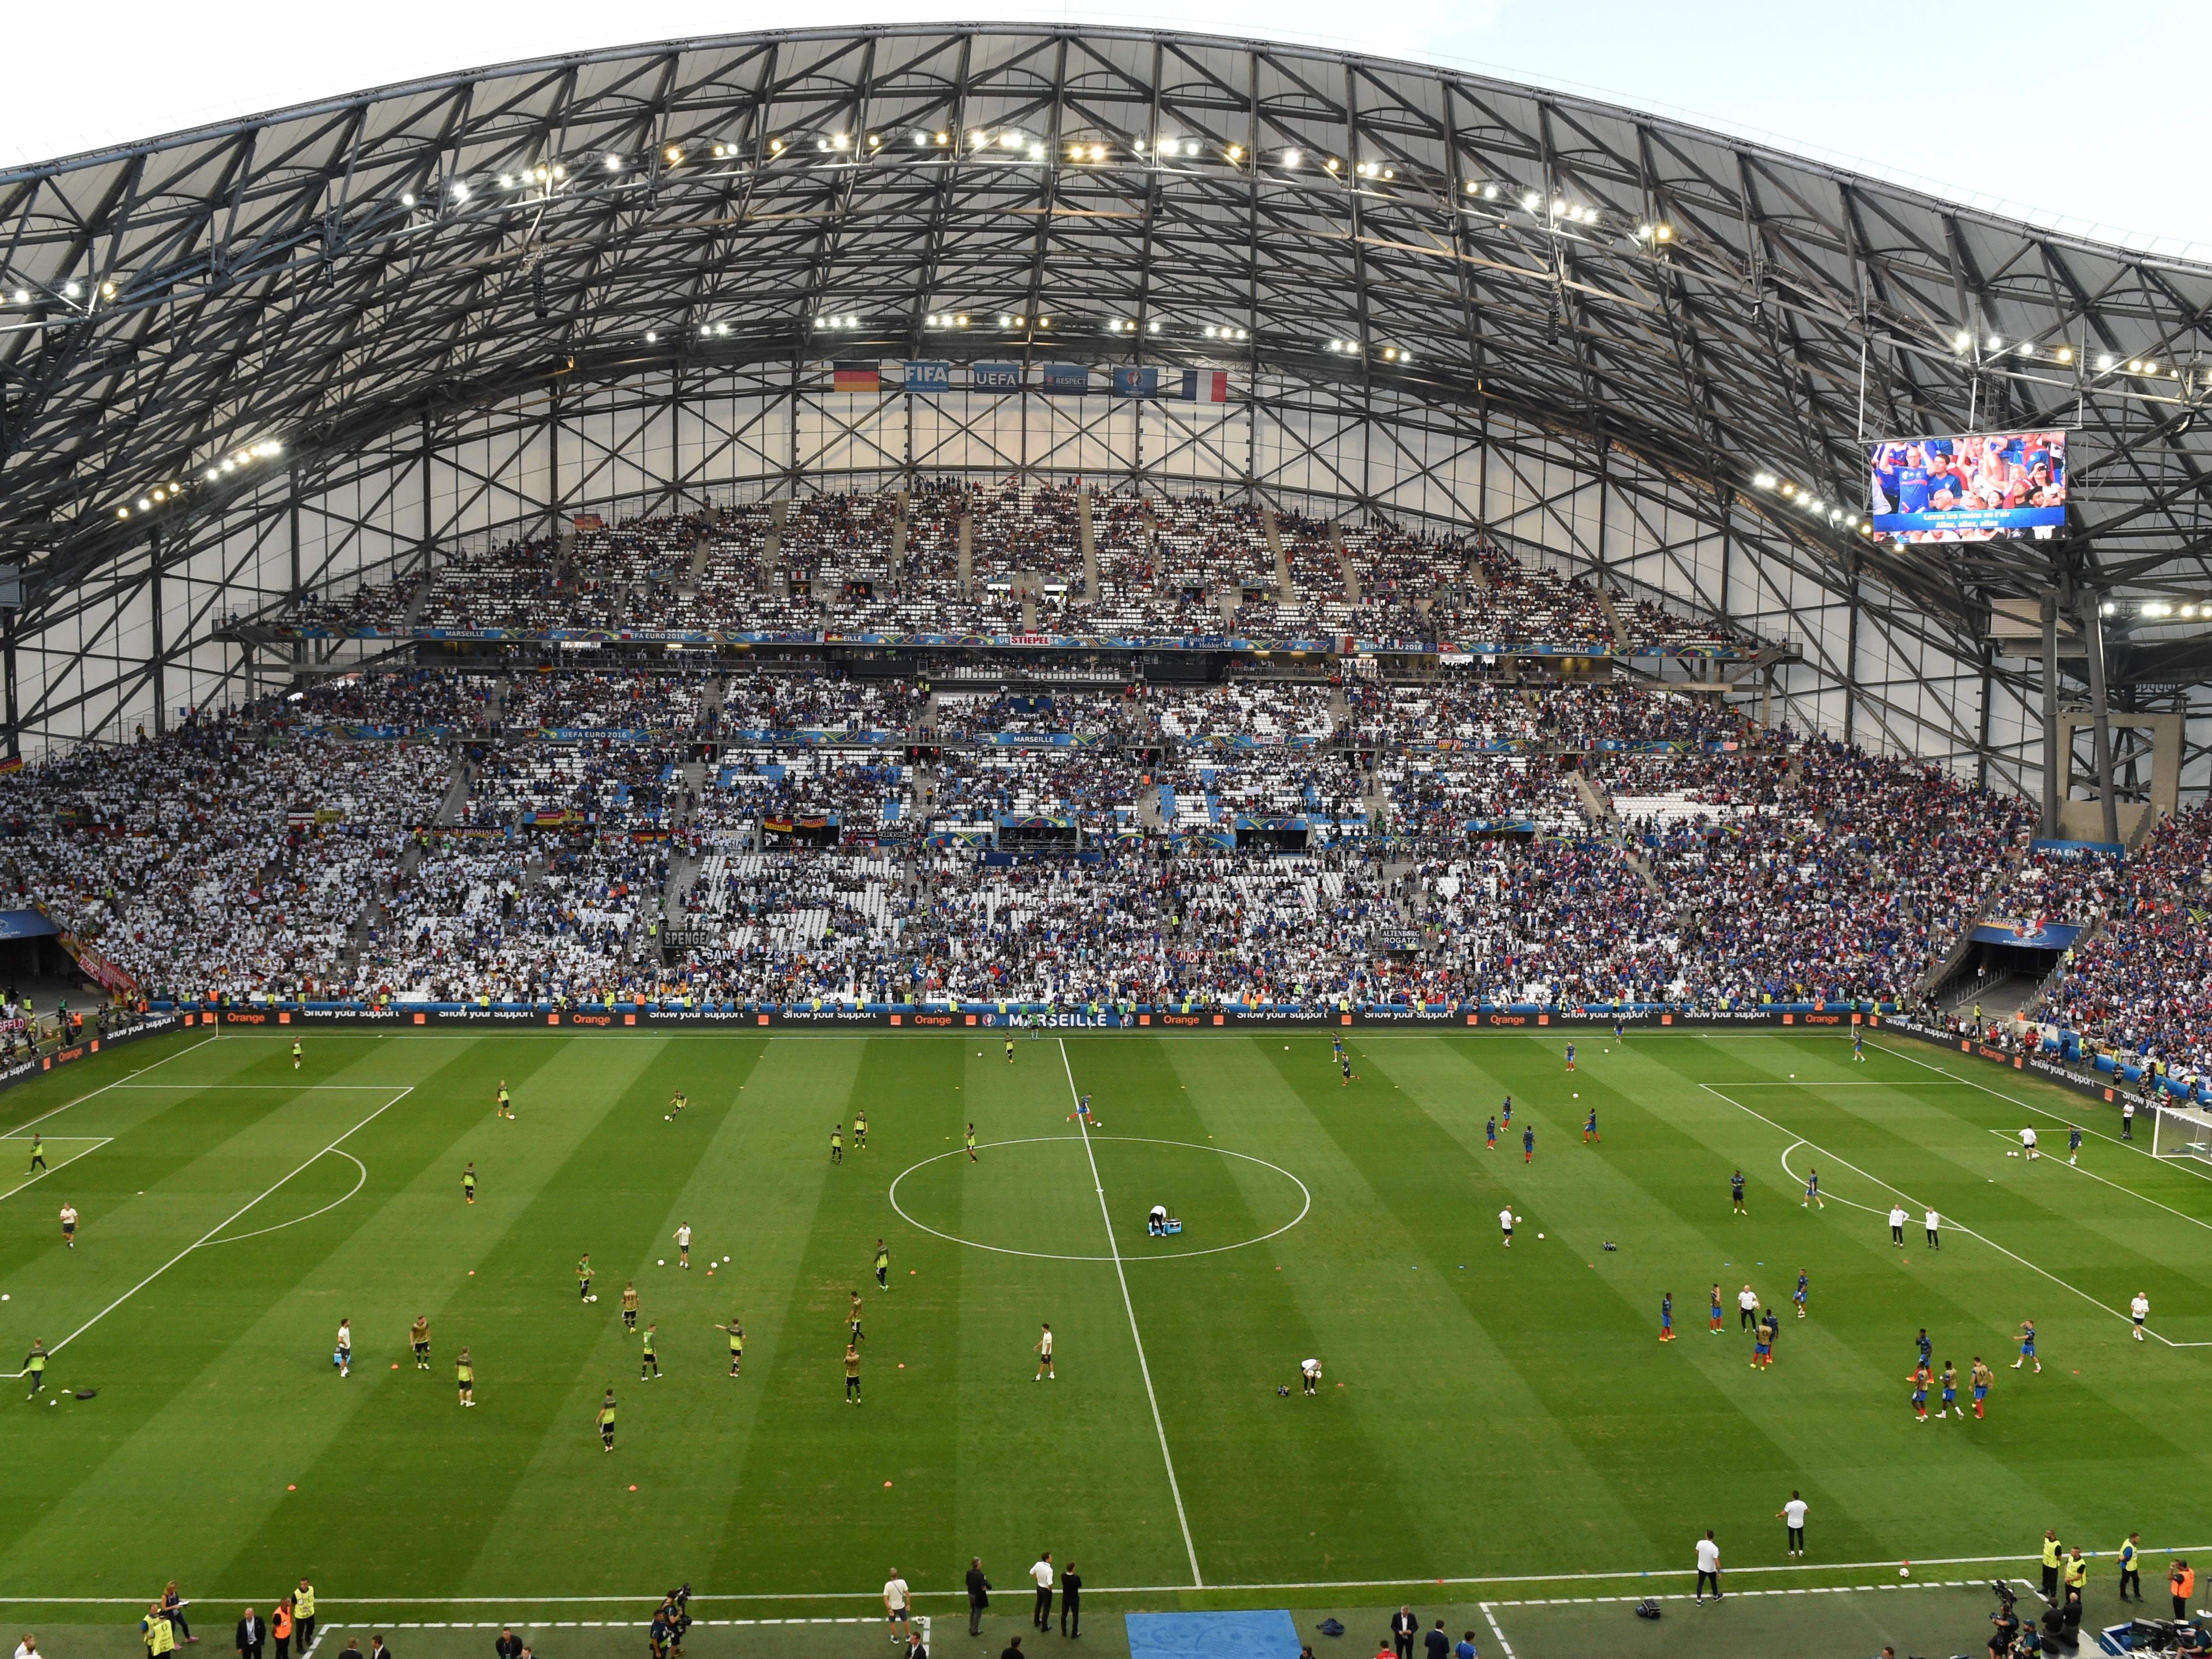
(13, 764)
(857, 377)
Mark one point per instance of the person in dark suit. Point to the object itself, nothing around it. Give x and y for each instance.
(1404, 1627)
(253, 1632)
(509, 1645)
(1070, 1600)
(1438, 1644)
(979, 1596)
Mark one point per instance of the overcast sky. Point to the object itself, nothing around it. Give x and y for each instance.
(2064, 110)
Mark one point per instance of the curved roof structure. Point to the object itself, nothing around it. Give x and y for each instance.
(319, 275)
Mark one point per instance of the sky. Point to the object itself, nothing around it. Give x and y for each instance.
(2032, 107)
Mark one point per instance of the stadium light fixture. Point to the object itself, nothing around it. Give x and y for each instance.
(1044, 322)
(840, 141)
(460, 193)
(1332, 164)
(2110, 609)
(2150, 368)
(506, 182)
(614, 164)
(652, 337)
(407, 199)
(122, 512)
(675, 156)
(1098, 152)
(559, 172)
(70, 289)
(1154, 326)
(1961, 340)
(2066, 354)
(23, 296)
(944, 138)
(2104, 364)
(1292, 158)
(1996, 344)
(1663, 234)
(1236, 152)
(144, 505)
(960, 321)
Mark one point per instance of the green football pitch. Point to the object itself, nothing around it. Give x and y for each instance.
(1503, 1420)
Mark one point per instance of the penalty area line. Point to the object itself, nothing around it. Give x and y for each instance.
(97, 1141)
(1798, 1140)
(211, 1232)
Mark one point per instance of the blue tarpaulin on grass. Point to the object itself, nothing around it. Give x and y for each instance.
(1213, 1635)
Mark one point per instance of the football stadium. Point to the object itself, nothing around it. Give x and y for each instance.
(1419, 779)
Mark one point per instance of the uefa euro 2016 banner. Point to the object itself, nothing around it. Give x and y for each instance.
(1973, 487)
(1190, 386)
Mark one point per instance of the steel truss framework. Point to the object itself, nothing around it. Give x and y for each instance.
(462, 305)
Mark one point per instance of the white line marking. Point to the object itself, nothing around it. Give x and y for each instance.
(359, 1181)
(1129, 1307)
(105, 1087)
(654, 1600)
(1050, 1255)
(1504, 1646)
(211, 1233)
(97, 1141)
(2046, 1112)
(288, 1088)
(1953, 1221)
(2091, 1175)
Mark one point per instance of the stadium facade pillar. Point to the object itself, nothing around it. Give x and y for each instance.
(2055, 787)
(7, 668)
(2093, 638)
(154, 608)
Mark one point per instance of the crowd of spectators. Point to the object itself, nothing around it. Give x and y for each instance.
(2142, 982)
(1165, 564)
(412, 835)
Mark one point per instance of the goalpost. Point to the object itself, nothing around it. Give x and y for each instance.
(2176, 1132)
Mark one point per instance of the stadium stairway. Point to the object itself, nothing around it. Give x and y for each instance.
(1613, 618)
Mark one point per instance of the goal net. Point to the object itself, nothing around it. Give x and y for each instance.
(2176, 1132)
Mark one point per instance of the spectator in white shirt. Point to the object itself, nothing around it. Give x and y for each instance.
(1708, 1566)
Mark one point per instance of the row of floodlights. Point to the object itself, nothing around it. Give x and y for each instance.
(161, 494)
(1388, 354)
(1997, 346)
(1798, 496)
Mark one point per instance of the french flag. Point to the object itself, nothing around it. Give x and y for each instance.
(1200, 386)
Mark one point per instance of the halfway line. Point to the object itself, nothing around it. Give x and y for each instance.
(1128, 1307)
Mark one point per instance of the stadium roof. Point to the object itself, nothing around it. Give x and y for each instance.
(320, 275)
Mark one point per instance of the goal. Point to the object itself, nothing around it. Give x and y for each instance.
(2177, 1132)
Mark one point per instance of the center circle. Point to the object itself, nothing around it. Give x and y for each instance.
(1021, 1185)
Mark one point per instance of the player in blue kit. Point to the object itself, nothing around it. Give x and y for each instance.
(2027, 1348)
(1736, 1194)
(1589, 1129)
(1529, 1146)
(1570, 1056)
(1950, 1390)
(1798, 1295)
(1490, 1135)
(1667, 1317)
(1506, 1112)
(1812, 1191)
